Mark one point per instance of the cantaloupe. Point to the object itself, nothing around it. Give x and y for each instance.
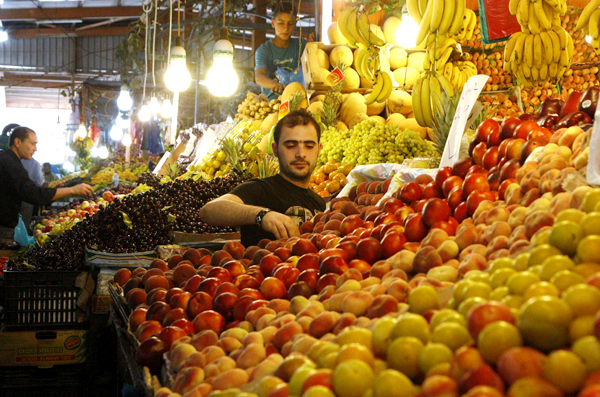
(378, 119)
(375, 108)
(269, 122)
(323, 59)
(340, 125)
(406, 76)
(398, 58)
(353, 103)
(412, 125)
(399, 102)
(395, 119)
(315, 98)
(334, 34)
(357, 118)
(390, 27)
(316, 108)
(289, 91)
(415, 60)
(352, 79)
(365, 83)
(341, 54)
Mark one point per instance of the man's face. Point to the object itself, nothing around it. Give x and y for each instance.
(27, 147)
(284, 25)
(46, 169)
(298, 151)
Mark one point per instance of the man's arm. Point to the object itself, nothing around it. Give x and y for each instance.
(230, 210)
(82, 189)
(260, 75)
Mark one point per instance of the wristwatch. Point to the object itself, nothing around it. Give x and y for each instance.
(261, 214)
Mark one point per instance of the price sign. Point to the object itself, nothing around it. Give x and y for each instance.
(593, 167)
(469, 96)
(334, 77)
(284, 109)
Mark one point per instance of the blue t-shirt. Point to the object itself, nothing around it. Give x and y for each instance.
(281, 63)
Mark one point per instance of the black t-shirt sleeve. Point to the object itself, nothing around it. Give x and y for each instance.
(27, 190)
(251, 192)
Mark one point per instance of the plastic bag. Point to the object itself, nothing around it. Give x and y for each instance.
(21, 235)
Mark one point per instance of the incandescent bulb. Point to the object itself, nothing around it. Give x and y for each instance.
(81, 132)
(94, 151)
(222, 80)
(116, 133)
(406, 35)
(177, 77)
(103, 152)
(68, 166)
(122, 122)
(154, 105)
(166, 111)
(126, 140)
(588, 39)
(124, 101)
(144, 113)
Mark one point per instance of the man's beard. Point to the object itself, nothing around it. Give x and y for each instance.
(300, 175)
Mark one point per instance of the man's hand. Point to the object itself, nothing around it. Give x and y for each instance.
(278, 88)
(83, 189)
(282, 226)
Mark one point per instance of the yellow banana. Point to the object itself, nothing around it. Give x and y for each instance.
(526, 71)
(472, 23)
(510, 46)
(449, 6)
(547, 42)
(366, 68)
(570, 47)
(448, 71)
(564, 58)
(427, 63)
(518, 53)
(413, 10)
(372, 97)
(562, 35)
(425, 23)
(523, 12)
(533, 24)
(594, 24)
(343, 27)
(359, 39)
(426, 102)
(437, 12)
(446, 85)
(459, 14)
(362, 29)
(455, 75)
(430, 39)
(388, 86)
(422, 7)
(358, 63)
(553, 69)
(436, 96)
(555, 46)
(549, 11)
(441, 49)
(529, 50)
(512, 6)
(586, 14)
(538, 8)
(416, 102)
(444, 58)
(535, 74)
(538, 57)
(544, 72)
(561, 72)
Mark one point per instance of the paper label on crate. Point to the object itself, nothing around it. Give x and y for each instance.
(334, 77)
(593, 167)
(160, 164)
(284, 109)
(469, 96)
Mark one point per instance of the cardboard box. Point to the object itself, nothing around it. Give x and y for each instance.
(106, 259)
(43, 348)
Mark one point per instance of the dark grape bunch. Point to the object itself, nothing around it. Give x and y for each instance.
(149, 179)
(136, 223)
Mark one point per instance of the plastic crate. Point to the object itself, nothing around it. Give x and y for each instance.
(61, 380)
(40, 299)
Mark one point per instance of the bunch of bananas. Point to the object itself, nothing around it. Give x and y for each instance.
(382, 88)
(427, 97)
(368, 63)
(437, 19)
(458, 72)
(353, 26)
(543, 49)
(589, 21)
(448, 60)
(468, 27)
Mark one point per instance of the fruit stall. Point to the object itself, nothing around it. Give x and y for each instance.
(457, 255)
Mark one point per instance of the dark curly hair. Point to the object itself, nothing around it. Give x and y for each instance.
(297, 117)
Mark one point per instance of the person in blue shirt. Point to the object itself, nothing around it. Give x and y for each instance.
(277, 62)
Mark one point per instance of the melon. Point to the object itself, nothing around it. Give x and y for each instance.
(375, 108)
(352, 80)
(415, 60)
(353, 103)
(365, 83)
(315, 98)
(395, 119)
(357, 118)
(412, 125)
(398, 57)
(411, 115)
(340, 125)
(316, 108)
(406, 76)
(334, 34)
(378, 119)
(269, 122)
(376, 30)
(323, 59)
(341, 54)
(390, 27)
(399, 102)
(289, 91)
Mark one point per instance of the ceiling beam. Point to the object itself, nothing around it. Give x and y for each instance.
(98, 31)
(69, 13)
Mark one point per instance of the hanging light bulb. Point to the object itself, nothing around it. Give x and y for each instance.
(588, 39)
(144, 113)
(116, 133)
(68, 166)
(94, 151)
(222, 79)
(124, 101)
(177, 77)
(154, 105)
(406, 35)
(81, 132)
(166, 110)
(122, 122)
(103, 152)
(126, 140)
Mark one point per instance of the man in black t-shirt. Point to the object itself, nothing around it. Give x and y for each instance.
(275, 207)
